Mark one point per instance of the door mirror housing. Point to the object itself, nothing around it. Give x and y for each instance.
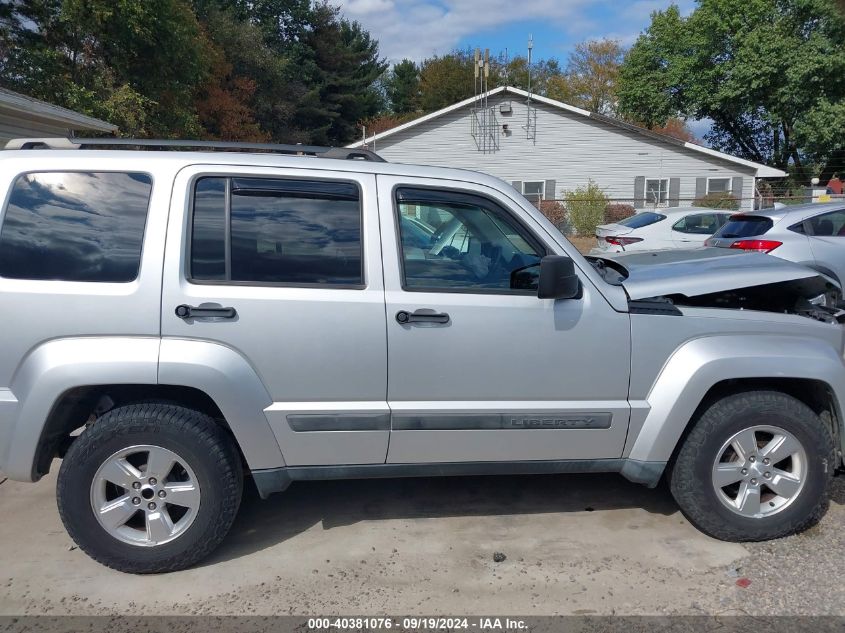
(558, 279)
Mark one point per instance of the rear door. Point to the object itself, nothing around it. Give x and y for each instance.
(479, 368)
(693, 229)
(827, 241)
(286, 265)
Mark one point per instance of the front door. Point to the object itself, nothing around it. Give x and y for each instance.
(479, 368)
(295, 254)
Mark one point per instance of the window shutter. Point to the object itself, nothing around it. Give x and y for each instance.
(700, 188)
(674, 192)
(549, 190)
(639, 192)
(736, 187)
(517, 184)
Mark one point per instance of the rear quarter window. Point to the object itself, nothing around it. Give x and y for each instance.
(75, 226)
(640, 220)
(744, 226)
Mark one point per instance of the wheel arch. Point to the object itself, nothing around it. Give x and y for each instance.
(62, 383)
(709, 368)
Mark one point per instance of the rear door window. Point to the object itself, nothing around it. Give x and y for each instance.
(828, 224)
(745, 226)
(698, 224)
(277, 231)
(75, 226)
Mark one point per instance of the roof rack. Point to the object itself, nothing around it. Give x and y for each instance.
(226, 146)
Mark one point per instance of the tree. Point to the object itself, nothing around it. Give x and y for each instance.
(251, 82)
(592, 73)
(515, 73)
(676, 128)
(403, 87)
(769, 73)
(446, 79)
(341, 67)
(136, 64)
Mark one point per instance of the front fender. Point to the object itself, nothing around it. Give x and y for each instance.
(55, 367)
(699, 364)
(234, 386)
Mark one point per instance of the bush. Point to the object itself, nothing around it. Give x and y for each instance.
(554, 211)
(585, 207)
(616, 211)
(717, 200)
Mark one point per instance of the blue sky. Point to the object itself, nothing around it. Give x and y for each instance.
(419, 28)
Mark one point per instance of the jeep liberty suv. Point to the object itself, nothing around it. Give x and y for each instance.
(178, 320)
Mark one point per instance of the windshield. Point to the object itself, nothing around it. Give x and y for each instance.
(642, 219)
(744, 226)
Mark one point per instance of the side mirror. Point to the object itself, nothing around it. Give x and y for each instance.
(558, 279)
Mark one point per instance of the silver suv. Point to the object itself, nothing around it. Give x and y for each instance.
(177, 322)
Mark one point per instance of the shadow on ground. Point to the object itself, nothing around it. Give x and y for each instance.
(263, 523)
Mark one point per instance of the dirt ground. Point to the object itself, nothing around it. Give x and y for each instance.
(583, 244)
(574, 544)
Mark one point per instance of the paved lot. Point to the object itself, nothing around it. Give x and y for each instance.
(575, 544)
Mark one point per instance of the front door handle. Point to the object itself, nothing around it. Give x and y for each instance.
(185, 311)
(421, 316)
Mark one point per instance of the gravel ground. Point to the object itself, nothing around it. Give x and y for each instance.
(572, 544)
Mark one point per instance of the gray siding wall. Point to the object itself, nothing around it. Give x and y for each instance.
(569, 149)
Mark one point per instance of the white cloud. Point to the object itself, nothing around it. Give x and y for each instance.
(419, 28)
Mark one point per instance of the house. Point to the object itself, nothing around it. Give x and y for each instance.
(544, 147)
(25, 117)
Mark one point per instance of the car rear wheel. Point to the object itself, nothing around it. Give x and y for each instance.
(150, 488)
(755, 466)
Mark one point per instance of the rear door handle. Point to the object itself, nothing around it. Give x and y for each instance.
(185, 311)
(421, 316)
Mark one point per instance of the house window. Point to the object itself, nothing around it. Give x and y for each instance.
(718, 185)
(656, 191)
(534, 190)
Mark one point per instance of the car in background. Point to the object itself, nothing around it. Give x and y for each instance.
(808, 234)
(660, 229)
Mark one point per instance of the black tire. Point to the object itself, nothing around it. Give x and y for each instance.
(194, 437)
(690, 476)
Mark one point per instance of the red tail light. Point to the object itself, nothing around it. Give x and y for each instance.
(760, 246)
(622, 241)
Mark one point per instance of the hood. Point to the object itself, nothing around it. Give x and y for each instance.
(702, 271)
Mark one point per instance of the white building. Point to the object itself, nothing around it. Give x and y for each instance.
(544, 147)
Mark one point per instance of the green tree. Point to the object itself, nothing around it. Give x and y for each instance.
(592, 74)
(403, 87)
(342, 67)
(136, 64)
(446, 79)
(769, 73)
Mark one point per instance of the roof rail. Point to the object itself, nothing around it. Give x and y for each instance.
(230, 146)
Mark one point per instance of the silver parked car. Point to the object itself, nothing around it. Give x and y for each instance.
(808, 234)
(177, 323)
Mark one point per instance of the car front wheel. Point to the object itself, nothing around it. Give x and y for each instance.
(755, 466)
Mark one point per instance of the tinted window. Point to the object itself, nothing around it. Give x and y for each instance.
(280, 231)
(475, 244)
(640, 220)
(72, 226)
(828, 225)
(208, 233)
(698, 224)
(744, 226)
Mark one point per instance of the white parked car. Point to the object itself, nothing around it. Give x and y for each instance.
(660, 229)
